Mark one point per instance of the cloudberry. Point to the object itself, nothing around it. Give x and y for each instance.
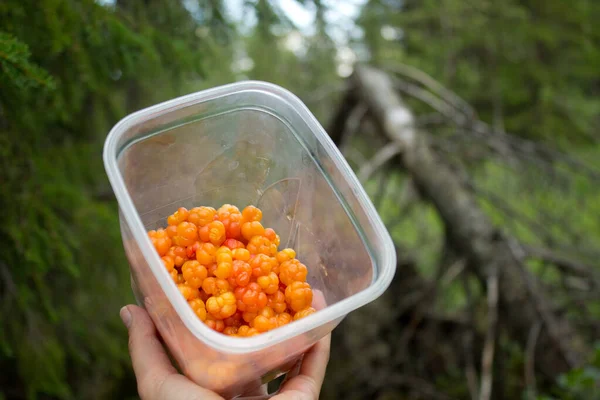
(188, 292)
(214, 324)
(292, 271)
(178, 216)
(263, 324)
(204, 234)
(240, 254)
(168, 262)
(175, 275)
(250, 229)
(190, 251)
(201, 216)
(277, 302)
(268, 283)
(230, 330)
(194, 273)
(216, 233)
(250, 298)
(178, 254)
(261, 245)
(298, 295)
(285, 255)
(251, 213)
(261, 265)
(171, 230)
(242, 272)
(234, 244)
(199, 308)
(180, 279)
(222, 306)
(283, 319)
(224, 263)
(160, 240)
(265, 320)
(187, 233)
(206, 253)
(249, 316)
(246, 331)
(304, 313)
(231, 217)
(272, 236)
(211, 269)
(215, 286)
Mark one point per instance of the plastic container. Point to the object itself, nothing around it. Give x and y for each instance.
(245, 143)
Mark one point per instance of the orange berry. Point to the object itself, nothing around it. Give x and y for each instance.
(230, 330)
(231, 218)
(262, 265)
(268, 283)
(223, 306)
(243, 330)
(250, 229)
(215, 324)
(178, 254)
(277, 301)
(211, 269)
(261, 245)
(190, 251)
(251, 213)
(249, 316)
(298, 295)
(188, 292)
(250, 298)
(234, 244)
(272, 236)
(180, 279)
(161, 241)
(224, 263)
(263, 324)
(178, 216)
(171, 230)
(240, 254)
(215, 286)
(204, 234)
(292, 271)
(283, 319)
(175, 275)
(216, 233)
(285, 255)
(168, 262)
(241, 274)
(194, 273)
(187, 233)
(206, 253)
(201, 216)
(304, 313)
(199, 308)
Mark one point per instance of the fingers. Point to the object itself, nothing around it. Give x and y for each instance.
(150, 362)
(312, 372)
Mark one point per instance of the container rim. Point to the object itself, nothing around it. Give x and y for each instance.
(220, 342)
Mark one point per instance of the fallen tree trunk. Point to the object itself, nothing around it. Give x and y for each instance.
(489, 254)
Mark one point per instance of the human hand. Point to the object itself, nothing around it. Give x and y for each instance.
(157, 379)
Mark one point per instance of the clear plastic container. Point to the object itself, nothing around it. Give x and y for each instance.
(245, 143)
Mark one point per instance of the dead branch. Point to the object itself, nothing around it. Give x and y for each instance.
(382, 156)
(566, 265)
(534, 333)
(471, 233)
(487, 358)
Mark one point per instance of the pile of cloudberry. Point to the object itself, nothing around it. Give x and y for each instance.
(229, 269)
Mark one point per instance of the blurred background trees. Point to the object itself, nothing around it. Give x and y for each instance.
(507, 94)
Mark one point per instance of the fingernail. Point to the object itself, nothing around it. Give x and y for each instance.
(125, 316)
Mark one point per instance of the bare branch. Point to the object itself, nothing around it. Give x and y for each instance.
(384, 154)
(534, 333)
(487, 358)
(565, 264)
